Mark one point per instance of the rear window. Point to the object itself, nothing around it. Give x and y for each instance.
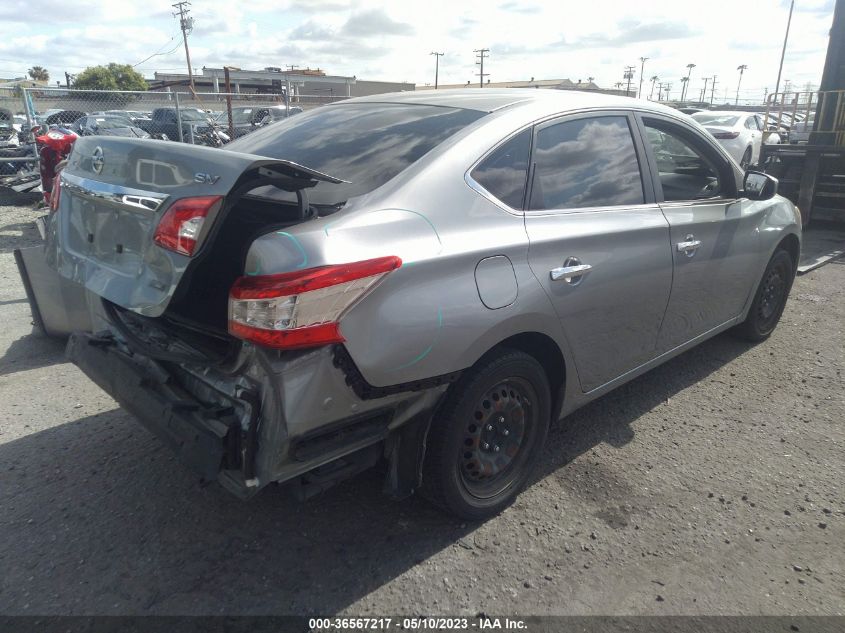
(366, 144)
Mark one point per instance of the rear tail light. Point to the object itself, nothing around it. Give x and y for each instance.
(725, 134)
(56, 193)
(181, 224)
(303, 308)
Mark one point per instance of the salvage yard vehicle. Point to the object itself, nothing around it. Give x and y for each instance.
(108, 125)
(740, 133)
(420, 280)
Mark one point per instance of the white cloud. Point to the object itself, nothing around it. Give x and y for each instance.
(379, 39)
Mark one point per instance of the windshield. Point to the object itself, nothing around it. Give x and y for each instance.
(364, 143)
(714, 118)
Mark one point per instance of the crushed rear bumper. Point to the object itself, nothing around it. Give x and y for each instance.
(207, 439)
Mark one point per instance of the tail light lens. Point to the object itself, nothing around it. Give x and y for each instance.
(303, 308)
(56, 193)
(181, 224)
(725, 134)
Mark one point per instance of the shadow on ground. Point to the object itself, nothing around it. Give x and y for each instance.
(98, 517)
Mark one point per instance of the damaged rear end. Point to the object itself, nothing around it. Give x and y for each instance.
(213, 362)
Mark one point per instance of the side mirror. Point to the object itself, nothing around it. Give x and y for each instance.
(759, 186)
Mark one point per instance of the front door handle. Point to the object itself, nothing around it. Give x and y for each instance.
(689, 245)
(572, 271)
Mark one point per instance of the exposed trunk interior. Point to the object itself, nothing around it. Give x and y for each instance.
(202, 295)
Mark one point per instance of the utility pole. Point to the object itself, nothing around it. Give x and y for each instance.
(629, 75)
(741, 70)
(187, 25)
(712, 89)
(481, 53)
(668, 90)
(689, 72)
(704, 92)
(787, 84)
(659, 90)
(783, 52)
(643, 60)
(651, 94)
(437, 57)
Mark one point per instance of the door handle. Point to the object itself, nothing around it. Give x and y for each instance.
(689, 245)
(572, 271)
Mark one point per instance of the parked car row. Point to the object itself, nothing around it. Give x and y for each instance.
(198, 126)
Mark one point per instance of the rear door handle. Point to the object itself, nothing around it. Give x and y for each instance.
(571, 273)
(689, 246)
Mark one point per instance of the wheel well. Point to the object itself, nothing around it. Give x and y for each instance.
(791, 245)
(544, 349)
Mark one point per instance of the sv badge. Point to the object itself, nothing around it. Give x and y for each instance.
(205, 179)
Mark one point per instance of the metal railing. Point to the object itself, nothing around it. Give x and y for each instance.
(827, 107)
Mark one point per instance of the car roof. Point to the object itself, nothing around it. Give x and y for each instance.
(491, 99)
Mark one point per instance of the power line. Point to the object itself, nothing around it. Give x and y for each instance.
(159, 53)
(481, 54)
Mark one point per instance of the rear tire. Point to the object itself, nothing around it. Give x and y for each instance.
(488, 436)
(770, 298)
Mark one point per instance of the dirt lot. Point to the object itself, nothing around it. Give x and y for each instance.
(712, 485)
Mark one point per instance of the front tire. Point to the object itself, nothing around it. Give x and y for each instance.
(770, 299)
(487, 438)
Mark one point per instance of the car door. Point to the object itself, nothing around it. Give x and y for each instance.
(756, 138)
(714, 234)
(598, 242)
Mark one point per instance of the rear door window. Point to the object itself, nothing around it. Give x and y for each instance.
(505, 171)
(588, 162)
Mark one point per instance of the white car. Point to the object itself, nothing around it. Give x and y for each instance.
(740, 133)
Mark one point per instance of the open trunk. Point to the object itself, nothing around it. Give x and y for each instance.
(117, 194)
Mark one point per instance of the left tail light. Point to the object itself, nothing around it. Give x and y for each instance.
(180, 226)
(56, 193)
(302, 308)
(725, 135)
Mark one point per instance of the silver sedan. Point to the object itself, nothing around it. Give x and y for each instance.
(423, 279)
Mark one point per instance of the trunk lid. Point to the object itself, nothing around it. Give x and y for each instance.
(114, 194)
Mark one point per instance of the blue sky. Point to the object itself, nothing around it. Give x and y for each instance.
(389, 40)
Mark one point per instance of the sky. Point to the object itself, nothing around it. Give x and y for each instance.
(392, 40)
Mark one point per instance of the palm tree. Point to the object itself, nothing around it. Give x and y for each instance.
(654, 79)
(684, 81)
(39, 73)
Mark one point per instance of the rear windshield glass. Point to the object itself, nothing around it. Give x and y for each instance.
(364, 143)
(728, 120)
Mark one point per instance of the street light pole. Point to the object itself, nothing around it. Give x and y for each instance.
(741, 70)
(689, 72)
(783, 52)
(643, 60)
(437, 57)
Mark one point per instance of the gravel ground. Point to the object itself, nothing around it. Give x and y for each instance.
(714, 484)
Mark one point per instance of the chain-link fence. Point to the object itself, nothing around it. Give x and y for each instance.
(201, 118)
(213, 119)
